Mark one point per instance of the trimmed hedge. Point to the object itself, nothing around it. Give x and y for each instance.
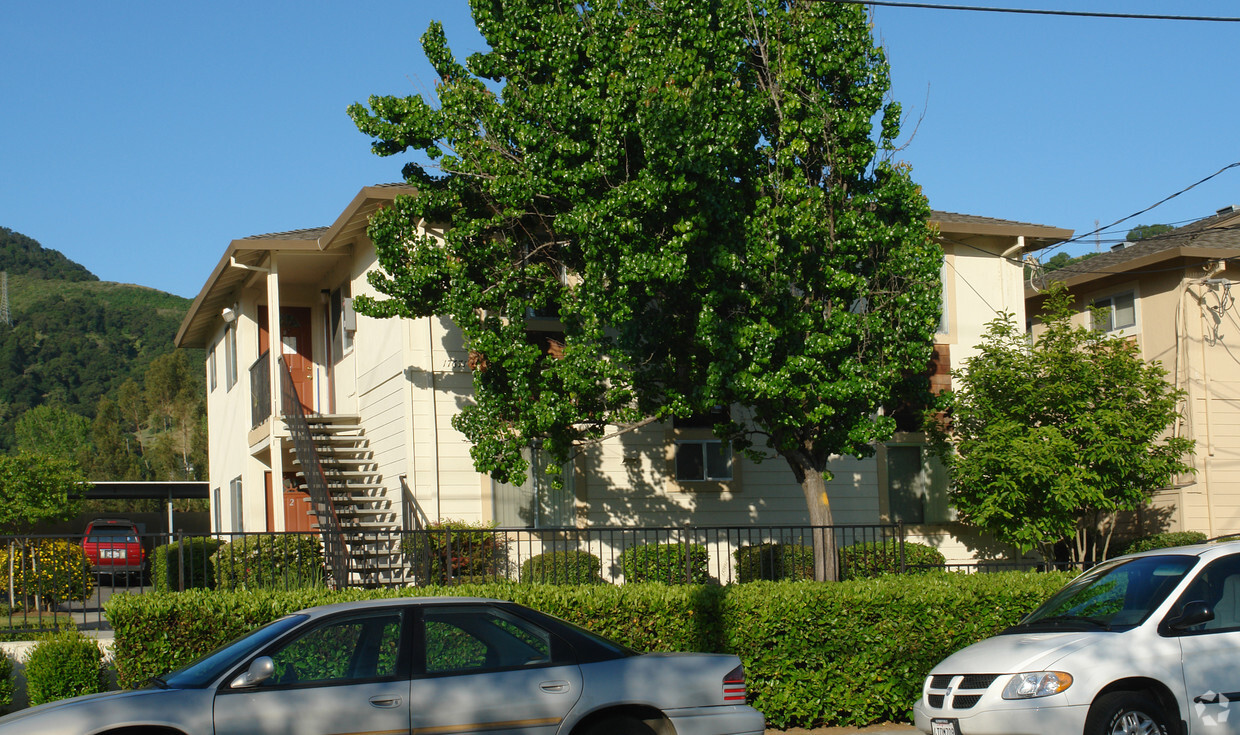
(64, 665)
(665, 563)
(878, 558)
(774, 562)
(285, 561)
(852, 653)
(6, 682)
(1166, 541)
(566, 566)
(452, 552)
(168, 560)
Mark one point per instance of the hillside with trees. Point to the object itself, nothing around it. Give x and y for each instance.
(88, 371)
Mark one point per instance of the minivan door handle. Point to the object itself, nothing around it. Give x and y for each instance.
(554, 687)
(386, 701)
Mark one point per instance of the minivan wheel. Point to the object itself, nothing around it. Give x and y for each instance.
(1126, 713)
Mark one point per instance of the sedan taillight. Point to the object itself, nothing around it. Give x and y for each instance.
(734, 685)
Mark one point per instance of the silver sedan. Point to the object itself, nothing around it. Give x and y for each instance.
(442, 666)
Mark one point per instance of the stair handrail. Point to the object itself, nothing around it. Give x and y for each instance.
(335, 549)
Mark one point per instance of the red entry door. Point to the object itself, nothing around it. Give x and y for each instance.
(296, 348)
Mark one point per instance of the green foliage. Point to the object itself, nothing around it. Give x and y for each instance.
(6, 681)
(450, 552)
(709, 174)
(53, 431)
(64, 665)
(1141, 232)
(23, 255)
(1051, 439)
(168, 561)
(267, 561)
(853, 653)
(36, 488)
(566, 566)
(1166, 541)
(877, 558)
(666, 563)
(774, 562)
(48, 570)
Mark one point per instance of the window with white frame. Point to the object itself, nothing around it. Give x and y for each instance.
(917, 485)
(211, 368)
(702, 460)
(217, 510)
(230, 356)
(234, 490)
(538, 502)
(343, 322)
(1115, 312)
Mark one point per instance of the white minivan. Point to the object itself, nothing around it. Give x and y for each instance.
(1147, 643)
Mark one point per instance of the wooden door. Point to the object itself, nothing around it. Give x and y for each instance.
(296, 348)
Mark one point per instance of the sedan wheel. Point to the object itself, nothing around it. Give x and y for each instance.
(1125, 713)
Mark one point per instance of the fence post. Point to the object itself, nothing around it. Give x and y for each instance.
(180, 562)
(900, 531)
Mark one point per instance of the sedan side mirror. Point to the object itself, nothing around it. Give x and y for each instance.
(260, 670)
(1195, 612)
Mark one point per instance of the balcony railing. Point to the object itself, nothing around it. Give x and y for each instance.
(260, 390)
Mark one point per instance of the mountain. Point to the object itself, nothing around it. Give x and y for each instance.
(74, 338)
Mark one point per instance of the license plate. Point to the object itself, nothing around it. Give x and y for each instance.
(112, 553)
(944, 727)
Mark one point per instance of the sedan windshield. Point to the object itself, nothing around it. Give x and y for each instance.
(207, 669)
(1117, 595)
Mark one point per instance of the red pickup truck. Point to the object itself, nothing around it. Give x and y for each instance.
(114, 547)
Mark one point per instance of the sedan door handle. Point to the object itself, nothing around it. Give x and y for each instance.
(554, 687)
(380, 700)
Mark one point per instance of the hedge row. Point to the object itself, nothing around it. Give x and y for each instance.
(852, 653)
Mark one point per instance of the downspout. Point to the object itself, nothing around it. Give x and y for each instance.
(1205, 403)
(430, 346)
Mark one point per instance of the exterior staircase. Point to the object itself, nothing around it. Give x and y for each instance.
(363, 512)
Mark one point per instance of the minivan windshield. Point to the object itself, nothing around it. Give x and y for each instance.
(1116, 595)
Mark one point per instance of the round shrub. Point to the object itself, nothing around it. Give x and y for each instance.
(568, 566)
(269, 561)
(666, 563)
(63, 665)
(1166, 541)
(876, 558)
(47, 570)
(169, 560)
(451, 552)
(774, 562)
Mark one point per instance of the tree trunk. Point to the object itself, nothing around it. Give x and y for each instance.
(826, 559)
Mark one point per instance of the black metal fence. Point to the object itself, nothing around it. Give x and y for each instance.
(47, 582)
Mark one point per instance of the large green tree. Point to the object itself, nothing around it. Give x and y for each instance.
(36, 488)
(1049, 440)
(697, 191)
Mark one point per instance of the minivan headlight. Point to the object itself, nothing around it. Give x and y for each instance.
(1037, 684)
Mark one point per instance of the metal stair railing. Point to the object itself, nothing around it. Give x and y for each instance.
(335, 549)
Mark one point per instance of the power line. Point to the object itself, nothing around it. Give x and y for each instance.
(1034, 11)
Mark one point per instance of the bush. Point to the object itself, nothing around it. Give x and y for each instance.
(283, 561)
(48, 570)
(774, 562)
(64, 665)
(568, 566)
(877, 558)
(1166, 541)
(6, 682)
(449, 552)
(852, 653)
(666, 563)
(168, 561)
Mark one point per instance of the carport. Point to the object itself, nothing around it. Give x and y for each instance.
(166, 491)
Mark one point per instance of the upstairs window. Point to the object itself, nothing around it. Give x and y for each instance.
(703, 459)
(1114, 313)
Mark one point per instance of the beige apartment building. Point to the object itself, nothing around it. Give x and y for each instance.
(1172, 294)
(379, 396)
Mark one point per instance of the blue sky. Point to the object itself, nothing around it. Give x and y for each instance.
(139, 138)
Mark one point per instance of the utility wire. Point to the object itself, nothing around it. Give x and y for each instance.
(1033, 11)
